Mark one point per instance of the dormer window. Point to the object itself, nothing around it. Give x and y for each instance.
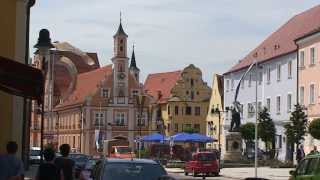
(105, 93)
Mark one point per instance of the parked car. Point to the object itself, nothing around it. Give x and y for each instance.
(135, 169)
(308, 168)
(80, 162)
(205, 163)
(35, 155)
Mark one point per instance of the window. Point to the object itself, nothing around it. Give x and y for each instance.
(191, 82)
(289, 69)
(143, 119)
(176, 127)
(289, 104)
(192, 95)
(99, 119)
(120, 68)
(260, 78)
(278, 105)
(188, 110)
(250, 110)
(176, 110)
(301, 59)
(197, 111)
(259, 106)
(232, 84)
(105, 93)
(169, 110)
(134, 93)
(120, 119)
(250, 79)
(268, 104)
(187, 126)
(197, 128)
(268, 75)
(302, 95)
(312, 94)
(278, 72)
(228, 85)
(242, 83)
(312, 56)
(121, 48)
(121, 41)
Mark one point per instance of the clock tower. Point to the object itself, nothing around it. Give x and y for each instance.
(120, 66)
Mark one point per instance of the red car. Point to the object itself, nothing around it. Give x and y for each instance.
(205, 163)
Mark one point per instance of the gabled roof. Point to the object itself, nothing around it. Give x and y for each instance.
(281, 42)
(159, 85)
(87, 84)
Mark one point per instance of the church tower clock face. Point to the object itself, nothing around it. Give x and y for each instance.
(121, 76)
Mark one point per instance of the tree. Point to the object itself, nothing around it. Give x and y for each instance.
(314, 128)
(296, 128)
(247, 133)
(266, 129)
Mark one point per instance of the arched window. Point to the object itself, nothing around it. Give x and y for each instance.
(120, 67)
(121, 48)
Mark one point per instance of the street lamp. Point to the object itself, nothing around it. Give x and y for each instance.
(44, 45)
(218, 112)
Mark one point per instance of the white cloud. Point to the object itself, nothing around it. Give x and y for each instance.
(212, 34)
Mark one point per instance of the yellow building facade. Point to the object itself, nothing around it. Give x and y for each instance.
(214, 124)
(184, 105)
(13, 23)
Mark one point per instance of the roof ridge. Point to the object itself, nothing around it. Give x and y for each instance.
(95, 70)
(166, 72)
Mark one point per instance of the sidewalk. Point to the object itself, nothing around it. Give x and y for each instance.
(263, 172)
(241, 173)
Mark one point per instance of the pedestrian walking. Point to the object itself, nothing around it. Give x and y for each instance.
(48, 170)
(10, 166)
(314, 150)
(300, 153)
(65, 164)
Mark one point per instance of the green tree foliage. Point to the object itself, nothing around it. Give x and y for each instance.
(296, 128)
(266, 128)
(247, 132)
(314, 128)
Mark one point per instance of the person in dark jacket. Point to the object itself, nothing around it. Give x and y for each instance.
(48, 170)
(65, 164)
(300, 153)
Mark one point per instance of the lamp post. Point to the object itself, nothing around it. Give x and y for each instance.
(218, 112)
(140, 103)
(44, 45)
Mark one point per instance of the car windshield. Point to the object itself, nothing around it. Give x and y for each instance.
(133, 171)
(207, 157)
(123, 150)
(79, 158)
(35, 152)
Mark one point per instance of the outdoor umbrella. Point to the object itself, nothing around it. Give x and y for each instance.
(180, 137)
(155, 137)
(197, 137)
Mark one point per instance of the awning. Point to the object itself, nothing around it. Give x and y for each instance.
(20, 79)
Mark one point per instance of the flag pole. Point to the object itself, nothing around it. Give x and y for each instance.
(256, 127)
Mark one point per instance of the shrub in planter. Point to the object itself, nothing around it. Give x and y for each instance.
(314, 128)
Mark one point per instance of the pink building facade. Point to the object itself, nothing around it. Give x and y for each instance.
(309, 80)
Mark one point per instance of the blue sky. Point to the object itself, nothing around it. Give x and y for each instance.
(168, 34)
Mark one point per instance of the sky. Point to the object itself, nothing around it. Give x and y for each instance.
(168, 34)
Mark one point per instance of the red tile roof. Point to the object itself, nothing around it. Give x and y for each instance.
(161, 84)
(281, 42)
(87, 84)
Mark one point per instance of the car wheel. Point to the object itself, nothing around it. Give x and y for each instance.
(186, 173)
(194, 173)
(215, 174)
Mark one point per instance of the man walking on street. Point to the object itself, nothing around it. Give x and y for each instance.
(10, 166)
(65, 164)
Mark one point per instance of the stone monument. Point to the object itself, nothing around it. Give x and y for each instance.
(233, 138)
